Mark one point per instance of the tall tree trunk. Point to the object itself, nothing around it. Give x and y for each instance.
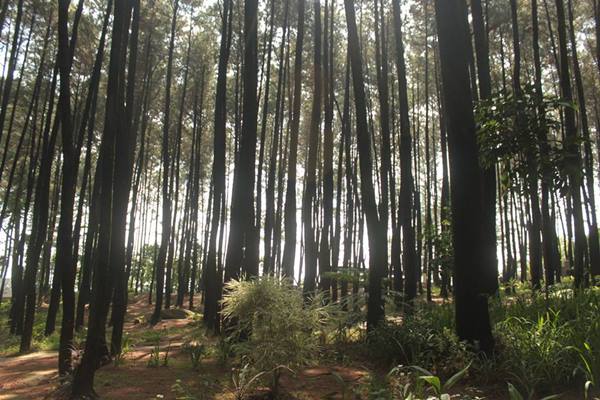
(405, 201)
(531, 184)
(550, 252)
(114, 140)
(12, 65)
(289, 249)
(242, 248)
(124, 152)
(65, 267)
(327, 245)
(263, 132)
(310, 183)
(489, 173)
(593, 240)
(573, 157)
(269, 240)
(375, 227)
(39, 220)
(213, 280)
(166, 192)
(471, 290)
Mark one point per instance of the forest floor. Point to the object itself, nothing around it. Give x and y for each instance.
(34, 375)
(170, 375)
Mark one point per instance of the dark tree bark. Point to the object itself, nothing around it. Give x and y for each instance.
(242, 248)
(535, 244)
(573, 157)
(489, 174)
(550, 252)
(310, 183)
(166, 192)
(12, 65)
(329, 247)
(114, 140)
(88, 124)
(405, 201)
(39, 220)
(212, 280)
(124, 151)
(263, 132)
(375, 227)
(588, 161)
(65, 268)
(269, 241)
(470, 294)
(289, 249)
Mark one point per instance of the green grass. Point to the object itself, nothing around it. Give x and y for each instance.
(9, 344)
(546, 342)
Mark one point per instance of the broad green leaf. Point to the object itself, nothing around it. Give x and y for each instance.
(551, 397)
(420, 370)
(456, 377)
(434, 381)
(514, 393)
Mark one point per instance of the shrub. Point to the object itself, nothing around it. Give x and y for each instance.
(425, 338)
(271, 325)
(548, 339)
(536, 353)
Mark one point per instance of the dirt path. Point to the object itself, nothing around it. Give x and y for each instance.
(27, 377)
(34, 375)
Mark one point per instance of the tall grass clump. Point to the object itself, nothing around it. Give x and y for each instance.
(425, 337)
(272, 327)
(549, 340)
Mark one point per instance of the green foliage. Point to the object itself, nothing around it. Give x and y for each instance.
(155, 359)
(536, 352)
(425, 337)
(181, 391)
(196, 351)
(546, 343)
(126, 347)
(521, 131)
(587, 368)
(245, 379)
(442, 242)
(224, 350)
(514, 394)
(272, 326)
(439, 388)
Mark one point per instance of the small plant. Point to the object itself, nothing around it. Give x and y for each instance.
(434, 382)
(154, 360)
(196, 351)
(536, 353)
(272, 326)
(224, 350)
(379, 388)
(125, 349)
(166, 357)
(181, 391)
(514, 394)
(155, 338)
(244, 380)
(586, 367)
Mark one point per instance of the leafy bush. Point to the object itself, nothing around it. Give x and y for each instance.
(549, 339)
(272, 326)
(536, 353)
(425, 338)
